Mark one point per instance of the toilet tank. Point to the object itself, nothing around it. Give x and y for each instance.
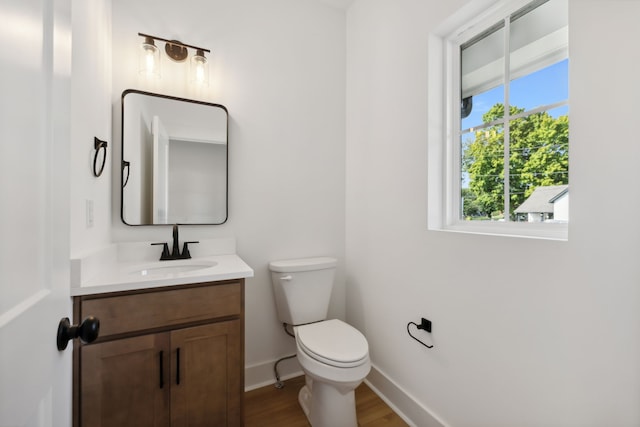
(302, 288)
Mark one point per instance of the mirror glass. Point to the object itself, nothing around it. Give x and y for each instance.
(174, 160)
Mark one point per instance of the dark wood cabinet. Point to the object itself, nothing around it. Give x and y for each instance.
(120, 383)
(165, 357)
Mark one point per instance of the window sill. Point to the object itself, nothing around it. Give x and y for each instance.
(544, 231)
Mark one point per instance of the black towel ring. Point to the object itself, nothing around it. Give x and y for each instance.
(99, 146)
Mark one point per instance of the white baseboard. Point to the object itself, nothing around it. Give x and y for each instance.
(412, 412)
(262, 374)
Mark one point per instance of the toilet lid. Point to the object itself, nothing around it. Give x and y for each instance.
(333, 342)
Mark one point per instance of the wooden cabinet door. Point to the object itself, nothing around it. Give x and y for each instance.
(206, 378)
(121, 383)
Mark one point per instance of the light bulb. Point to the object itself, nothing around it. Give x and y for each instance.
(149, 61)
(199, 69)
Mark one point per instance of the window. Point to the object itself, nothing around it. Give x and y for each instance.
(506, 155)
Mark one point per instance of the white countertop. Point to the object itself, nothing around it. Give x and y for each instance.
(108, 270)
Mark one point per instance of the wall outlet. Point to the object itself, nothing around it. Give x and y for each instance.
(89, 212)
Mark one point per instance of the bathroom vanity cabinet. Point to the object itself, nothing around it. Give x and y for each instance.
(171, 356)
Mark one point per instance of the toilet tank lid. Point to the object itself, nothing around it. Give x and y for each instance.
(302, 264)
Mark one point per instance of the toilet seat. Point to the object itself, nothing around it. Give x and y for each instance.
(334, 343)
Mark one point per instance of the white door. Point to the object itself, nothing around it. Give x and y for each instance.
(35, 378)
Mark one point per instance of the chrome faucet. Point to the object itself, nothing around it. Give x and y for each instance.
(175, 248)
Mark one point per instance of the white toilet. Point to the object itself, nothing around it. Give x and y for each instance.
(334, 355)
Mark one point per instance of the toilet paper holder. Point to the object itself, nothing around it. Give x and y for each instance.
(424, 325)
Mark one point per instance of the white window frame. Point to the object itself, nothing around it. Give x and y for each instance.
(443, 124)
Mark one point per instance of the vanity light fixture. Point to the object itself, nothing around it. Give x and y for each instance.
(176, 51)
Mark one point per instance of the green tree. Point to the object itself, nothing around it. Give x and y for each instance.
(538, 156)
(471, 207)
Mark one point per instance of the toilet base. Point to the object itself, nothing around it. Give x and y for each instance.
(327, 406)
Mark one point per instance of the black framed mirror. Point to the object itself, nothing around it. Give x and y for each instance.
(174, 166)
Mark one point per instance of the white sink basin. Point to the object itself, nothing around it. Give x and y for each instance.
(173, 267)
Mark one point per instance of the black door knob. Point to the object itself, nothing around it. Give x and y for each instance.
(87, 331)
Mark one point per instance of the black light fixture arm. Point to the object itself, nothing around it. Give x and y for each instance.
(174, 42)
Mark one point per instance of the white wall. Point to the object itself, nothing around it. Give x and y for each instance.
(549, 342)
(279, 68)
(561, 208)
(90, 117)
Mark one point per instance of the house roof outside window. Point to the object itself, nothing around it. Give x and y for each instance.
(542, 199)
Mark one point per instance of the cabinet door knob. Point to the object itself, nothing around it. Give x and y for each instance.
(87, 331)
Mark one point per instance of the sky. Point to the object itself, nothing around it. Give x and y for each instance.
(546, 86)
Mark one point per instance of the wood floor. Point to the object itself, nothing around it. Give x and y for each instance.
(270, 407)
